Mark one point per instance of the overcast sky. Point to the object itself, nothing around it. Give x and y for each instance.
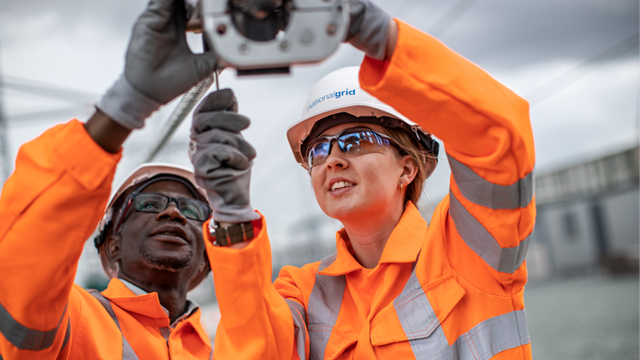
(541, 49)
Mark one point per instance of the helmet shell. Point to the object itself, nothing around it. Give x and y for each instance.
(338, 92)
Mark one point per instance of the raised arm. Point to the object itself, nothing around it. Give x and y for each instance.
(59, 190)
(489, 143)
(49, 206)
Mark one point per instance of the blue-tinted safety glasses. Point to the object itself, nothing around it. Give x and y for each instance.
(155, 203)
(352, 142)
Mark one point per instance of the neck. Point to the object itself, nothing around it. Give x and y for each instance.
(368, 234)
(172, 294)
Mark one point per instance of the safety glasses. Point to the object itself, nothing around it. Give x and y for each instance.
(156, 203)
(352, 142)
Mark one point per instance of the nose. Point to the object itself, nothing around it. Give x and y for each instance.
(172, 213)
(336, 158)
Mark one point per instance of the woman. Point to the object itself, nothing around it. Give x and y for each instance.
(396, 289)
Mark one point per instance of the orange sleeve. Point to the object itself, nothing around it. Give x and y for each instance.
(487, 134)
(49, 207)
(257, 322)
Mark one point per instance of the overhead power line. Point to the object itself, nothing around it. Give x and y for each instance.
(48, 114)
(449, 18)
(561, 82)
(46, 90)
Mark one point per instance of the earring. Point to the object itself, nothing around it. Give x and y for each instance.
(401, 186)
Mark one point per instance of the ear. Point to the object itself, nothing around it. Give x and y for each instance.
(409, 170)
(110, 255)
(112, 247)
(430, 166)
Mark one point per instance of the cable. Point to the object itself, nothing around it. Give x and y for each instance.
(188, 101)
(46, 90)
(39, 115)
(566, 79)
(446, 21)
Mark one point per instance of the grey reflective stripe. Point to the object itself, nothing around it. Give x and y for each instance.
(67, 334)
(323, 308)
(494, 335)
(428, 341)
(127, 351)
(506, 260)
(411, 301)
(299, 325)
(24, 338)
(485, 193)
(482, 342)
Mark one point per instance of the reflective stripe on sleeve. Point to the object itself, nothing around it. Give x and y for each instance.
(485, 193)
(299, 325)
(323, 308)
(24, 338)
(478, 238)
(127, 351)
(428, 341)
(67, 334)
(492, 336)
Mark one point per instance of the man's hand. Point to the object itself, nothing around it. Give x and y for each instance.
(159, 65)
(369, 29)
(222, 158)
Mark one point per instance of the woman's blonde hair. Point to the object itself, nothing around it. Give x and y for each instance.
(425, 160)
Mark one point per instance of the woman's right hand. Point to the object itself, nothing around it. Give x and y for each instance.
(222, 158)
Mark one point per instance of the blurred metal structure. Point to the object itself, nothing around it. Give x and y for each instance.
(588, 217)
(186, 104)
(5, 158)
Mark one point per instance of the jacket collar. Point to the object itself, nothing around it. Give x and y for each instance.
(403, 244)
(145, 307)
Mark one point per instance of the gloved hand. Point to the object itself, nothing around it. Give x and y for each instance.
(158, 66)
(368, 29)
(222, 158)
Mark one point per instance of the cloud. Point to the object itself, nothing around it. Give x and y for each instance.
(518, 33)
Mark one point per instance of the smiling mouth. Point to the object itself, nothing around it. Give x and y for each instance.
(340, 185)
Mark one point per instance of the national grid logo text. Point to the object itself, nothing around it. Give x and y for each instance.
(333, 95)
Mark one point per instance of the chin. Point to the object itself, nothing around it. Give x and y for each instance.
(172, 262)
(344, 210)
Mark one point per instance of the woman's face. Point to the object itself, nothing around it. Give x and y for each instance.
(349, 187)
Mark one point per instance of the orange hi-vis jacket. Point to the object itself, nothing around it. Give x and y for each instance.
(49, 206)
(453, 290)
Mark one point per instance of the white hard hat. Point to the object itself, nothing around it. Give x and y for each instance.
(340, 92)
(138, 176)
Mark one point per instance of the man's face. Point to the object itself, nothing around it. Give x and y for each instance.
(166, 241)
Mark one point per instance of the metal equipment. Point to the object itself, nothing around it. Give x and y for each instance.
(268, 36)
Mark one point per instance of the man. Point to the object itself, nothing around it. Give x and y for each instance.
(151, 241)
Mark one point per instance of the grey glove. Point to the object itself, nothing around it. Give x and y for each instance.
(222, 158)
(158, 67)
(368, 29)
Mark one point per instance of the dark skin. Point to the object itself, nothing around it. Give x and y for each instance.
(107, 133)
(160, 252)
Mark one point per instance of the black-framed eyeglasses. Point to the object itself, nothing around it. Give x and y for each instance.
(352, 142)
(156, 203)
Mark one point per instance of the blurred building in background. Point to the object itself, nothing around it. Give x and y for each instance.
(588, 218)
